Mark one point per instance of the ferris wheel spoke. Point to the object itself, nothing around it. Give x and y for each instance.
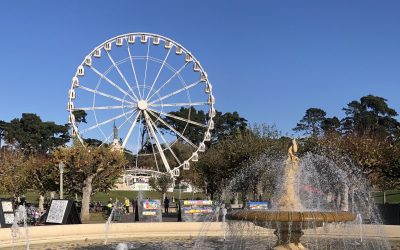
(134, 71)
(178, 118)
(165, 141)
(104, 94)
(122, 76)
(145, 71)
(158, 145)
(112, 83)
(106, 121)
(119, 127)
(158, 74)
(175, 92)
(165, 83)
(174, 130)
(130, 130)
(154, 154)
(178, 104)
(104, 107)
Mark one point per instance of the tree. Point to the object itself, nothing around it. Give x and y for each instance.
(224, 124)
(330, 125)
(224, 159)
(161, 184)
(311, 122)
(30, 134)
(13, 172)
(227, 124)
(193, 132)
(372, 117)
(89, 170)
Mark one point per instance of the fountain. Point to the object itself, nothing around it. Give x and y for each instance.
(290, 219)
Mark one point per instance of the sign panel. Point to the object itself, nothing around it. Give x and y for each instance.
(150, 210)
(6, 213)
(196, 210)
(258, 205)
(63, 212)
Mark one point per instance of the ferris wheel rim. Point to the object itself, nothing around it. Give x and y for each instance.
(164, 38)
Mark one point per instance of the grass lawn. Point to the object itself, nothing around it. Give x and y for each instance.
(392, 197)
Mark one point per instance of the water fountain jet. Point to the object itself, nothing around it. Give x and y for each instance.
(290, 219)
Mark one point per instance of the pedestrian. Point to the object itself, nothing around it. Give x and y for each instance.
(109, 206)
(127, 205)
(166, 204)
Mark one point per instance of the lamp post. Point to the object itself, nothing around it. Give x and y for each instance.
(61, 166)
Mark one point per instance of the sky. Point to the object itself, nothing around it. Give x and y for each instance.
(268, 60)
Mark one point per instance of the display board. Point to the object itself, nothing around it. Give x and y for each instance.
(150, 210)
(6, 212)
(63, 212)
(196, 210)
(258, 205)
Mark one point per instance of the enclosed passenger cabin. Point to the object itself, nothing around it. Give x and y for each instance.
(211, 99)
(196, 67)
(88, 61)
(179, 50)
(202, 147)
(211, 113)
(203, 77)
(75, 82)
(208, 88)
(168, 44)
(186, 165)
(211, 124)
(107, 46)
(207, 136)
(156, 40)
(176, 172)
(70, 106)
(195, 156)
(188, 58)
(119, 42)
(80, 71)
(143, 39)
(131, 39)
(71, 94)
(97, 53)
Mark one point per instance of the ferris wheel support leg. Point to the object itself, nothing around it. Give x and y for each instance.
(163, 158)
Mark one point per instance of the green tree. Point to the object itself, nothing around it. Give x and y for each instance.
(30, 134)
(372, 117)
(311, 122)
(89, 170)
(161, 184)
(227, 124)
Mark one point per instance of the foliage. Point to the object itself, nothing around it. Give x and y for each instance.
(372, 117)
(13, 174)
(30, 134)
(225, 159)
(311, 122)
(161, 183)
(81, 162)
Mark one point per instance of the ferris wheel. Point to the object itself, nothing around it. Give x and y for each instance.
(147, 95)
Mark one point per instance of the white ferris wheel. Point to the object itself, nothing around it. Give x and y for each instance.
(147, 95)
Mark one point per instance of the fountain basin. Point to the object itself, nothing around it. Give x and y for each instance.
(306, 218)
(289, 225)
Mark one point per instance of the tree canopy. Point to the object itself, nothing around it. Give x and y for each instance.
(30, 134)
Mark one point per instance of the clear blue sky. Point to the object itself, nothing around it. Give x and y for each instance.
(268, 60)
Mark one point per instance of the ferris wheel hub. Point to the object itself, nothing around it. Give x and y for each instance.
(142, 105)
